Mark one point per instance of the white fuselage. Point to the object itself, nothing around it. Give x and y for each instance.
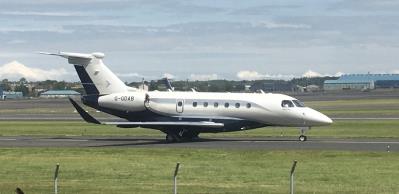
(183, 115)
(257, 107)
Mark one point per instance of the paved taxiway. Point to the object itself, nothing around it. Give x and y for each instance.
(207, 143)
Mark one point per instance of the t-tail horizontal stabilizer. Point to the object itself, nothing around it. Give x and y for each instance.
(86, 116)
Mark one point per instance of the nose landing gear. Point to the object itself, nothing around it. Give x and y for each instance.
(303, 130)
(303, 138)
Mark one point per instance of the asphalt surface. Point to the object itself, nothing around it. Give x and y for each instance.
(277, 143)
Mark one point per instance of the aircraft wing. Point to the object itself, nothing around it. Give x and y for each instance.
(165, 123)
(90, 119)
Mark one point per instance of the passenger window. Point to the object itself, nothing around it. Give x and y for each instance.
(215, 104)
(205, 104)
(248, 105)
(237, 105)
(287, 103)
(226, 105)
(194, 104)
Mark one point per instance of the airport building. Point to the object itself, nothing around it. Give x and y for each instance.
(1, 93)
(59, 94)
(271, 86)
(11, 95)
(363, 82)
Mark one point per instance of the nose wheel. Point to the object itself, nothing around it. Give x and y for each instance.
(303, 138)
(303, 130)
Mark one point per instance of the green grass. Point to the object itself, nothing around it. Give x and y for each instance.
(340, 128)
(354, 102)
(149, 170)
(358, 107)
(40, 110)
(68, 128)
(142, 170)
(44, 111)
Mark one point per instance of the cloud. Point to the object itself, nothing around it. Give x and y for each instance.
(55, 29)
(203, 77)
(366, 5)
(16, 41)
(249, 75)
(169, 76)
(130, 75)
(15, 70)
(254, 75)
(264, 10)
(274, 25)
(34, 13)
(339, 74)
(310, 74)
(135, 76)
(155, 39)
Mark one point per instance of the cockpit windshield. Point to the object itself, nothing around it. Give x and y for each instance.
(287, 103)
(298, 103)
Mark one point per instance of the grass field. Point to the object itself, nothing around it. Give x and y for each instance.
(149, 170)
(358, 107)
(141, 170)
(340, 129)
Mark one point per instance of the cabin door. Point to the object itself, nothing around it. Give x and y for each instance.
(179, 105)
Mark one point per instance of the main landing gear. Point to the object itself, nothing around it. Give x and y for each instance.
(303, 130)
(181, 136)
(173, 138)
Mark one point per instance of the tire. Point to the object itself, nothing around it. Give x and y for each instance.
(170, 138)
(190, 136)
(302, 138)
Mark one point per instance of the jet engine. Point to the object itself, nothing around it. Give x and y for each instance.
(127, 101)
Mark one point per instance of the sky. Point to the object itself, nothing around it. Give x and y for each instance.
(201, 40)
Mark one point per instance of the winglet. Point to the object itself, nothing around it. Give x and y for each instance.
(86, 116)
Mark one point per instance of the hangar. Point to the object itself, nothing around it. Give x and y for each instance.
(363, 82)
(59, 94)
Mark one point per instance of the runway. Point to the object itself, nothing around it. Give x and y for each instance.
(271, 143)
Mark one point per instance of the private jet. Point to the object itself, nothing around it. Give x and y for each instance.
(183, 115)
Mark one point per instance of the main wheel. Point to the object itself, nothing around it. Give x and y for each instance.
(190, 136)
(170, 138)
(302, 138)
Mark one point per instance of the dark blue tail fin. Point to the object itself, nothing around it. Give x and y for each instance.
(87, 83)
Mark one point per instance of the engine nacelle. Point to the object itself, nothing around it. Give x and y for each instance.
(127, 101)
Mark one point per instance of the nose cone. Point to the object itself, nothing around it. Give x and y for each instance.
(315, 118)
